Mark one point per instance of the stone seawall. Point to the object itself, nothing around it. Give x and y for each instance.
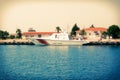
(16, 42)
(27, 42)
(103, 43)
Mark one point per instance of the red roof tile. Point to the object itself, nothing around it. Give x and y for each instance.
(96, 29)
(25, 33)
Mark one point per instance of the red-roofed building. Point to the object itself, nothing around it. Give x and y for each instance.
(27, 35)
(94, 32)
(32, 33)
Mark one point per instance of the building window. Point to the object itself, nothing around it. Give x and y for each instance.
(89, 33)
(32, 36)
(39, 35)
(26, 36)
(96, 33)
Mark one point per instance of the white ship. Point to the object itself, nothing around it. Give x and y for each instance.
(58, 39)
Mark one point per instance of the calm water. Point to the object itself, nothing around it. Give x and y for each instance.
(59, 62)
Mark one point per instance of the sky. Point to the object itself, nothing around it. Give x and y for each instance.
(46, 15)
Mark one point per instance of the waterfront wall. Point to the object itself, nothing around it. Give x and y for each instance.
(16, 42)
(27, 42)
(103, 43)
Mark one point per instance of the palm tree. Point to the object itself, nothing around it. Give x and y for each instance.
(58, 29)
(19, 33)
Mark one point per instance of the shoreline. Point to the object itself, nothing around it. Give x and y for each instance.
(28, 42)
(16, 42)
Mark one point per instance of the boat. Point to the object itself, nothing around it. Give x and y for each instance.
(59, 39)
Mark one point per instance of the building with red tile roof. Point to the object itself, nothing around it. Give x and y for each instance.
(36, 34)
(94, 32)
(32, 33)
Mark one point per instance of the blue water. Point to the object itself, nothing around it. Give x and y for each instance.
(31, 62)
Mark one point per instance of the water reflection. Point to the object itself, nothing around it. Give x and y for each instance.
(2, 64)
(63, 48)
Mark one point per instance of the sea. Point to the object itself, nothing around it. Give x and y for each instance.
(34, 62)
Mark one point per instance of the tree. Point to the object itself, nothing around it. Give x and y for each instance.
(58, 29)
(1, 34)
(4, 34)
(74, 29)
(114, 31)
(104, 34)
(19, 33)
(12, 37)
(92, 26)
(83, 32)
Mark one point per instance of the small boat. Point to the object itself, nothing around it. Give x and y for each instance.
(58, 39)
